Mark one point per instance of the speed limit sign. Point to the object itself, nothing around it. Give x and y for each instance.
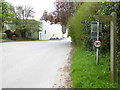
(97, 44)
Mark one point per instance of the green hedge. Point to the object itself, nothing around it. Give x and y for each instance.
(75, 23)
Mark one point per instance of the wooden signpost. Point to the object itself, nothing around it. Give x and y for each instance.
(112, 18)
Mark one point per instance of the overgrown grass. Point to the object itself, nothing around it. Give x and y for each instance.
(86, 74)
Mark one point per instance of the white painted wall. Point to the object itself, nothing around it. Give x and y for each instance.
(54, 31)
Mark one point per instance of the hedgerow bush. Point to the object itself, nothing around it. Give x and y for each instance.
(79, 24)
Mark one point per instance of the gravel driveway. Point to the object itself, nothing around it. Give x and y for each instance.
(33, 64)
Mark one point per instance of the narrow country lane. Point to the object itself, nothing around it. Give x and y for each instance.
(33, 64)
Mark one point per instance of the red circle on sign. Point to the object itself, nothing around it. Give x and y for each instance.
(95, 43)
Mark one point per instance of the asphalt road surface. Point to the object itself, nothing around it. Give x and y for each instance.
(33, 64)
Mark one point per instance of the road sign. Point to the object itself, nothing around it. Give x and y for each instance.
(94, 30)
(97, 44)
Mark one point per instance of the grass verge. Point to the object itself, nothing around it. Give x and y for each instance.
(5, 40)
(86, 74)
(56, 39)
(21, 39)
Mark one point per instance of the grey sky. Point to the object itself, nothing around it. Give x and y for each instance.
(38, 5)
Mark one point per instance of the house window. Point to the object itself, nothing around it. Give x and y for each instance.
(45, 31)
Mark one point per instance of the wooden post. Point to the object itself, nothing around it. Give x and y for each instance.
(103, 17)
(112, 45)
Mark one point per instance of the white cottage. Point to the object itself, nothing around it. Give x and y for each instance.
(50, 31)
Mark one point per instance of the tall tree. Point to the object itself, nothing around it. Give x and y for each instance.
(22, 16)
(30, 26)
(7, 13)
(25, 12)
(0, 17)
(63, 10)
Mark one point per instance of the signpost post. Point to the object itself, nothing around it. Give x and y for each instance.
(97, 45)
(97, 52)
(96, 32)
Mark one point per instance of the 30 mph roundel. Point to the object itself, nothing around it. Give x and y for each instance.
(97, 44)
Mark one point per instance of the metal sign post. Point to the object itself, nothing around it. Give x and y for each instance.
(96, 32)
(97, 45)
(97, 50)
